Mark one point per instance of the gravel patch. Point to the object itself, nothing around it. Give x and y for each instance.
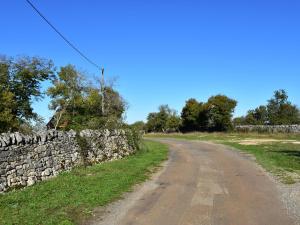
(290, 195)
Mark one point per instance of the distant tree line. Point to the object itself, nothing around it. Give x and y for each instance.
(217, 115)
(76, 102)
(278, 111)
(213, 115)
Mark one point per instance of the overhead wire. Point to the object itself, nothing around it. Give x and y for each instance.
(62, 36)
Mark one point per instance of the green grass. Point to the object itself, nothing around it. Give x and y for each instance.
(70, 197)
(223, 136)
(280, 158)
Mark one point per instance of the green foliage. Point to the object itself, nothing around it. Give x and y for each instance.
(173, 123)
(134, 138)
(8, 121)
(215, 115)
(153, 122)
(203, 117)
(258, 116)
(20, 84)
(281, 111)
(220, 112)
(114, 104)
(78, 105)
(190, 115)
(165, 120)
(67, 96)
(139, 125)
(84, 147)
(278, 111)
(237, 121)
(67, 89)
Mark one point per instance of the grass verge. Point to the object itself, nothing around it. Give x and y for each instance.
(277, 153)
(70, 197)
(224, 136)
(281, 159)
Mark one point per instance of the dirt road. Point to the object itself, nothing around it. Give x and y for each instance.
(203, 184)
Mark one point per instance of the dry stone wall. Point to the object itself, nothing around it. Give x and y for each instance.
(269, 128)
(25, 160)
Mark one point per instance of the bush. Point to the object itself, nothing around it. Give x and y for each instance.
(134, 138)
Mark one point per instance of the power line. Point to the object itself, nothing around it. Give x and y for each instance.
(62, 36)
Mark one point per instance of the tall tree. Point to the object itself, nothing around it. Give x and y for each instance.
(153, 123)
(173, 123)
(203, 117)
(78, 105)
(165, 120)
(282, 111)
(112, 116)
(66, 94)
(8, 121)
(115, 105)
(220, 112)
(258, 116)
(190, 115)
(20, 83)
(139, 126)
(237, 121)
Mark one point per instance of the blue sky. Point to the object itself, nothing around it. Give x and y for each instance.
(166, 51)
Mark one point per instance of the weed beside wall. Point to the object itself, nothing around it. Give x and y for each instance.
(134, 138)
(84, 148)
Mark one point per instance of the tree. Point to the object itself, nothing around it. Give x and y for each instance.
(139, 126)
(237, 121)
(7, 101)
(20, 83)
(281, 111)
(203, 117)
(165, 120)
(190, 115)
(39, 125)
(173, 123)
(258, 116)
(67, 95)
(157, 121)
(115, 105)
(78, 105)
(278, 111)
(220, 112)
(153, 124)
(112, 116)
(8, 121)
(163, 116)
